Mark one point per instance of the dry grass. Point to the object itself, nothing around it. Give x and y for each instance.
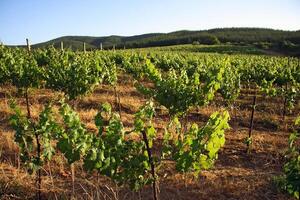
(236, 174)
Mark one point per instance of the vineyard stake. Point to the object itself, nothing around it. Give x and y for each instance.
(51, 177)
(62, 45)
(28, 45)
(73, 178)
(39, 181)
(251, 124)
(184, 123)
(84, 50)
(150, 158)
(285, 102)
(118, 101)
(120, 107)
(234, 110)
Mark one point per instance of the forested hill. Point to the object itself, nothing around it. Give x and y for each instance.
(264, 38)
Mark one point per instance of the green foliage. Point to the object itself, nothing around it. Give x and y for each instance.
(290, 181)
(74, 74)
(113, 152)
(231, 84)
(175, 76)
(5, 60)
(122, 159)
(73, 140)
(19, 68)
(27, 132)
(198, 148)
(178, 91)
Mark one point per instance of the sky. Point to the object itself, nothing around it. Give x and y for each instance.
(43, 20)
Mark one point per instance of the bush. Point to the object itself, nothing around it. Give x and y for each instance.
(263, 45)
(215, 40)
(208, 39)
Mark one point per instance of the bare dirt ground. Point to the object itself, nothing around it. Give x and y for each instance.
(236, 175)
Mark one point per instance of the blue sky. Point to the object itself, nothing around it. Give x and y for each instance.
(42, 20)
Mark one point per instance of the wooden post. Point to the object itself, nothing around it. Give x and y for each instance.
(150, 160)
(285, 96)
(73, 179)
(101, 46)
(251, 124)
(62, 45)
(118, 101)
(39, 174)
(114, 47)
(285, 102)
(84, 50)
(28, 44)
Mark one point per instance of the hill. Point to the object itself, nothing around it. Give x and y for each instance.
(286, 42)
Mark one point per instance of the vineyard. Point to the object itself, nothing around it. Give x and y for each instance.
(148, 124)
